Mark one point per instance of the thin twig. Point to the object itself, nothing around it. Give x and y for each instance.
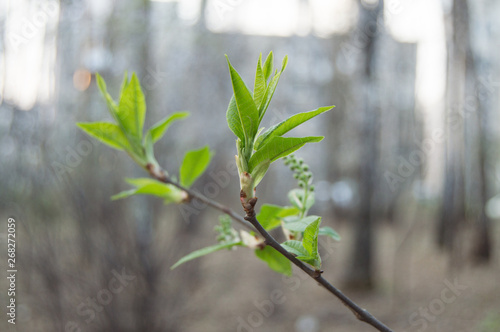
(160, 175)
(251, 222)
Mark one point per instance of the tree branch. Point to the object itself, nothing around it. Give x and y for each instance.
(160, 175)
(251, 222)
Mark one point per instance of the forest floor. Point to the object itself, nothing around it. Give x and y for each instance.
(416, 290)
(416, 287)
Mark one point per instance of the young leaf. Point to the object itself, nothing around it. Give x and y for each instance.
(268, 66)
(310, 241)
(104, 91)
(125, 82)
(270, 90)
(295, 247)
(158, 130)
(259, 171)
(328, 231)
(248, 114)
(301, 224)
(288, 124)
(278, 147)
(141, 182)
(270, 215)
(233, 120)
(123, 194)
(194, 164)
(146, 186)
(260, 83)
(108, 133)
(205, 251)
(169, 193)
(132, 109)
(275, 260)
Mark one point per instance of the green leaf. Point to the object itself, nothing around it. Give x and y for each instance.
(133, 146)
(296, 197)
(169, 193)
(241, 161)
(275, 260)
(295, 247)
(248, 114)
(125, 82)
(158, 129)
(141, 182)
(233, 120)
(310, 242)
(301, 224)
(286, 125)
(270, 215)
(132, 109)
(270, 90)
(146, 186)
(259, 171)
(268, 66)
(123, 194)
(194, 164)
(108, 133)
(278, 147)
(328, 231)
(104, 91)
(260, 85)
(205, 251)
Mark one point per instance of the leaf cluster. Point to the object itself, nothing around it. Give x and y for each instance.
(258, 148)
(302, 231)
(127, 134)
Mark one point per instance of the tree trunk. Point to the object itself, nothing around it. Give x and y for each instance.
(360, 273)
(481, 251)
(481, 54)
(453, 209)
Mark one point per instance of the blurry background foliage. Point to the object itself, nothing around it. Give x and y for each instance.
(408, 173)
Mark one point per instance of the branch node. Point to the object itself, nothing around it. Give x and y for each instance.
(248, 205)
(317, 273)
(159, 174)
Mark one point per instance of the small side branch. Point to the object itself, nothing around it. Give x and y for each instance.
(160, 175)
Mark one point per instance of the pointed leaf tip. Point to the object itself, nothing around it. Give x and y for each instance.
(205, 251)
(132, 108)
(245, 114)
(286, 125)
(160, 128)
(108, 133)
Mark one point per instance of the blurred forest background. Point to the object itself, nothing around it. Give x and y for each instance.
(408, 173)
